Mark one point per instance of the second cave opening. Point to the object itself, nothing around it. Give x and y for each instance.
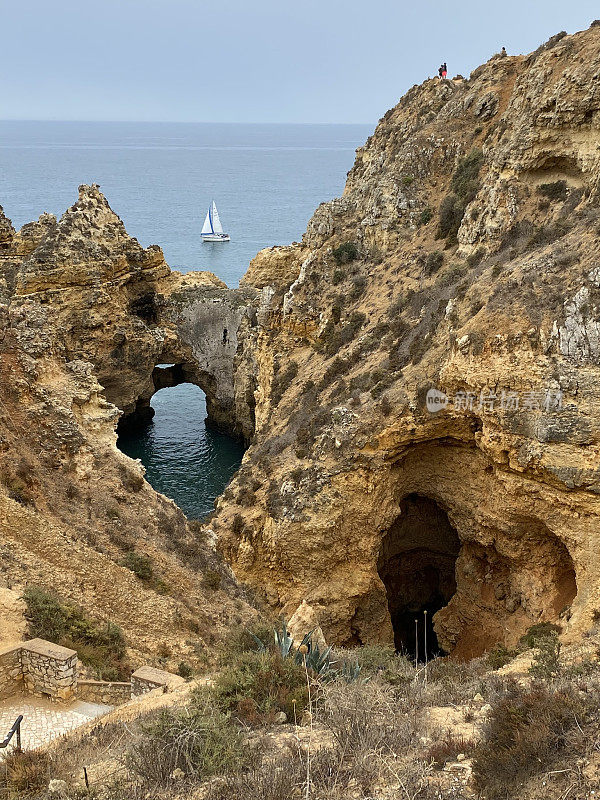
(417, 566)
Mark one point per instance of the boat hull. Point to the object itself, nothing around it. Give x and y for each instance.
(215, 237)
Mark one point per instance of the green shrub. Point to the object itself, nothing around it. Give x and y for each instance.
(499, 656)
(358, 287)
(475, 258)
(101, 647)
(282, 381)
(380, 660)
(245, 497)
(538, 632)
(553, 191)
(545, 664)
(212, 579)
(18, 485)
(334, 339)
(345, 253)
(237, 524)
(465, 177)
(140, 565)
(425, 216)
(463, 189)
(451, 214)
(385, 406)
(256, 685)
(198, 739)
(433, 262)
(546, 234)
(338, 276)
(184, 670)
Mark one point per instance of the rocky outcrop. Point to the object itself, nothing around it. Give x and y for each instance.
(121, 308)
(88, 314)
(418, 381)
(461, 261)
(274, 267)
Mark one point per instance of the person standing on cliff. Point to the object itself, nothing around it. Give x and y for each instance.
(444, 71)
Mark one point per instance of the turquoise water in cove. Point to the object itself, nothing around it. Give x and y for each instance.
(160, 177)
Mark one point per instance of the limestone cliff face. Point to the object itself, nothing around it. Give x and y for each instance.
(120, 307)
(473, 268)
(419, 380)
(86, 316)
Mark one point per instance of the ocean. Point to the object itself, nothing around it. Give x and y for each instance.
(160, 178)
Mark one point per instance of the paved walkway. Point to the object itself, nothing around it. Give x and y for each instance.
(44, 720)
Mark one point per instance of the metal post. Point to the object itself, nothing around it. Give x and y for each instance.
(425, 621)
(19, 735)
(416, 643)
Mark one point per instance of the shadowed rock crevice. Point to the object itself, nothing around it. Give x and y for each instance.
(417, 566)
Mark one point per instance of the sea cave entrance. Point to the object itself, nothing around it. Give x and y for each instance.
(417, 566)
(185, 458)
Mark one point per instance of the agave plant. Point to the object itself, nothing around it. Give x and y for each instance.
(349, 672)
(309, 653)
(283, 640)
(320, 662)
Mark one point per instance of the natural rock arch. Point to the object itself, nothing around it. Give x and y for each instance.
(167, 375)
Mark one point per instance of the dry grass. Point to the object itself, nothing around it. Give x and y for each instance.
(525, 731)
(367, 717)
(198, 740)
(448, 748)
(24, 774)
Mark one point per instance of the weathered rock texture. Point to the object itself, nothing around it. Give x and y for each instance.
(464, 258)
(475, 212)
(87, 315)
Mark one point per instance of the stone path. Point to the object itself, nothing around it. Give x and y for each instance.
(44, 720)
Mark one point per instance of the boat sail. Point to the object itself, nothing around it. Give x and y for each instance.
(212, 230)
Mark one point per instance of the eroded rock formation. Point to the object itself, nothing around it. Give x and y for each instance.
(419, 381)
(462, 257)
(88, 314)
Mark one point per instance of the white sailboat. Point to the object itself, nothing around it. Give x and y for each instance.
(212, 230)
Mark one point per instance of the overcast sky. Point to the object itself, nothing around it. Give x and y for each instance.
(244, 61)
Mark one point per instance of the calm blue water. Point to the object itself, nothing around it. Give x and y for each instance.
(160, 177)
(184, 459)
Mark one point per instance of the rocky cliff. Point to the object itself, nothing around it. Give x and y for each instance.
(463, 258)
(418, 381)
(87, 315)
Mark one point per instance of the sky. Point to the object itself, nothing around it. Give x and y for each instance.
(338, 61)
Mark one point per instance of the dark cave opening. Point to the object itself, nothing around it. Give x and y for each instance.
(417, 566)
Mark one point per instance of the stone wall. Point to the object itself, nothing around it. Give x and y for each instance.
(45, 669)
(145, 679)
(49, 669)
(113, 694)
(11, 671)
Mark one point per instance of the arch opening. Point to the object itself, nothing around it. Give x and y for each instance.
(417, 567)
(185, 458)
(164, 376)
